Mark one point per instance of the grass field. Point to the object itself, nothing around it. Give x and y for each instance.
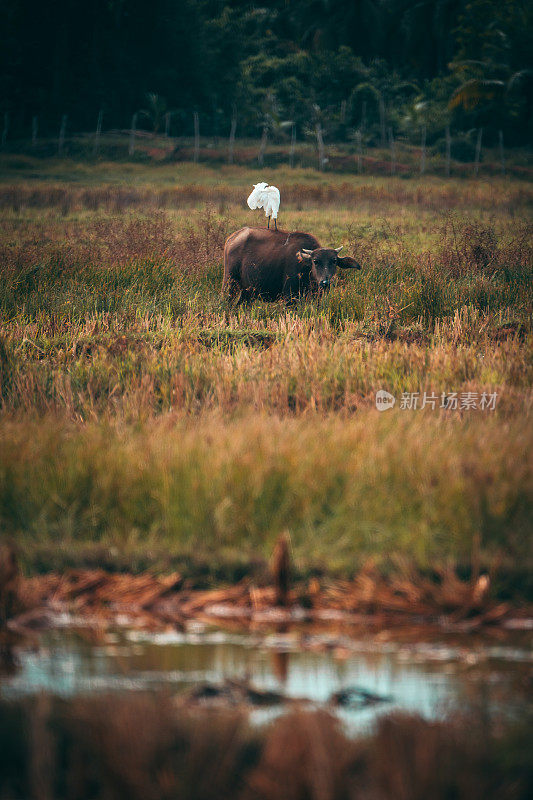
(144, 420)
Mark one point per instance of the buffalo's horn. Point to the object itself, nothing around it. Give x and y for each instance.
(306, 251)
(338, 249)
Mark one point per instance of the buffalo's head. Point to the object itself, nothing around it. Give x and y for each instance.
(324, 263)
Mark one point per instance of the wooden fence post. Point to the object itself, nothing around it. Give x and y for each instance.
(502, 153)
(281, 569)
(392, 144)
(478, 151)
(359, 140)
(98, 131)
(215, 126)
(448, 151)
(382, 122)
(131, 148)
(34, 130)
(196, 155)
(320, 145)
(262, 146)
(62, 134)
(423, 154)
(293, 146)
(233, 130)
(6, 128)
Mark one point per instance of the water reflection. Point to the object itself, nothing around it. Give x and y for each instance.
(428, 678)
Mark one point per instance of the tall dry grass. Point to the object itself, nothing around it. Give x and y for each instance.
(312, 191)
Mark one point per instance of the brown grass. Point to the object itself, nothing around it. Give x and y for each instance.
(140, 747)
(315, 192)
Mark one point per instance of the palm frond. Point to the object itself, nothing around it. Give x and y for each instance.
(466, 63)
(367, 87)
(518, 77)
(475, 91)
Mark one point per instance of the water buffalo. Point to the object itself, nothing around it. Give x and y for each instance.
(271, 264)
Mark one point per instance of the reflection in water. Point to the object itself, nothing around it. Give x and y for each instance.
(280, 665)
(430, 679)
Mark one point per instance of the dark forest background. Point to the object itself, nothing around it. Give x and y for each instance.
(371, 66)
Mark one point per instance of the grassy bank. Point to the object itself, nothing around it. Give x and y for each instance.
(143, 415)
(412, 483)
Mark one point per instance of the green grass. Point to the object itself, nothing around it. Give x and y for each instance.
(409, 483)
(145, 417)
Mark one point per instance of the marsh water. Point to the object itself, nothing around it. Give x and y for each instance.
(432, 678)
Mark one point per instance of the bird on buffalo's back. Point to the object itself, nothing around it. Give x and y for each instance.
(266, 197)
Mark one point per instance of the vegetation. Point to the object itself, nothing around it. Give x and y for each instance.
(94, 747)
(370, 69)
(143, 416)
(148, 424)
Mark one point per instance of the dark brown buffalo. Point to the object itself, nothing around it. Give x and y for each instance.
(270, 264)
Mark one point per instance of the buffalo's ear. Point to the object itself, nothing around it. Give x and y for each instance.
(302, 255)
(347, 263)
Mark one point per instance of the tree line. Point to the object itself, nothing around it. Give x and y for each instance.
(362, 69)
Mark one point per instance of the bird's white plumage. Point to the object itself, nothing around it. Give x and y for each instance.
(267, 197)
